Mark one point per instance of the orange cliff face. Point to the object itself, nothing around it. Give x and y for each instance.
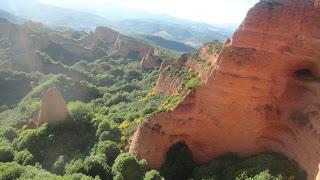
(262, 95)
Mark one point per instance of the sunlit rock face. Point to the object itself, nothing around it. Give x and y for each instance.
(262, 95)
(202, 65)
(53, 107)
(167, 84)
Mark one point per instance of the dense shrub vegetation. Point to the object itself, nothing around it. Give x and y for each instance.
(179, 165)
(14, 86)
(263, 166)
(187, 77)
(213, 47)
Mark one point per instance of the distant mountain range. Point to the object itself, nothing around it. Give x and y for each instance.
(165, 44)
(191, 33)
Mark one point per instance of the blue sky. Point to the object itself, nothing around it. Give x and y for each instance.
(210, 11)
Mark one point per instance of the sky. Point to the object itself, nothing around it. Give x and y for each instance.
(209, 11)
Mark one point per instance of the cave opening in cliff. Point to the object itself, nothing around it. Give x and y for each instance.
(304, 73)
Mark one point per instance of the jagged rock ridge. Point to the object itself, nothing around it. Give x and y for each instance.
(262, 95)
(24, 41)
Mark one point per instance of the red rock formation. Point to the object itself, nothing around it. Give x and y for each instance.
(53, 107)
(263, 94)
(125, 46)
(201, 62)
(165, 83)
(101, 33)
(150, 59)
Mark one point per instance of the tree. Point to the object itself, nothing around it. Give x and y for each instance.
(79, 111)
(133, 74)
(264, 175)
(10, 171)
(144, 166)
(91, 166)
(222, 167)
(78, 176)
(152, 175)
(179, 163)
(118, 177)
(105, 80)
(99, 52)
(116, 72)
(24, 158)
(128, 166)
(95, 166)
(118, 98)
(109, 149)
(108, 132)
(6, 154)
(76, 166)
(8, 132)
(59, 165)
(6, 151)
(34, 140)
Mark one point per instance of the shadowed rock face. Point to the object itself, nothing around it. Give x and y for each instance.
(262, 95)
(53, 107)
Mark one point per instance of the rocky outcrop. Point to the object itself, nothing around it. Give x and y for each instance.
(165, 83)
(262, 95)
(53, 107)
(150, 59)
(201, 62)
(127, 47)
(101, 35)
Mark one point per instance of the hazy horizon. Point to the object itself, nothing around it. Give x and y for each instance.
(208, 11)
